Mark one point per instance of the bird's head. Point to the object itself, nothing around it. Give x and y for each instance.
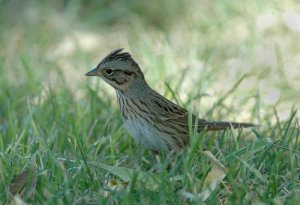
(119, 70)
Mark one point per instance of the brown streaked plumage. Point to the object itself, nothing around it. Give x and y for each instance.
(151, 119)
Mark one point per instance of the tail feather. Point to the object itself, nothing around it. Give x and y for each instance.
(210, 126)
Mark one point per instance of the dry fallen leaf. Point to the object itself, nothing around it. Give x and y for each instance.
(211, 182)
(214, 177)
(23, 183)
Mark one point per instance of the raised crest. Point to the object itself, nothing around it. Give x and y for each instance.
(117, 55)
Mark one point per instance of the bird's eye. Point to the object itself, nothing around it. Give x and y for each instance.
(108, 71)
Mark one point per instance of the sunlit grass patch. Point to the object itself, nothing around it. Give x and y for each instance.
(232, 61)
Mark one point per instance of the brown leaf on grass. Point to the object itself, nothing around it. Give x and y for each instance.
(211, 182)
(24, 183)
(214, 177)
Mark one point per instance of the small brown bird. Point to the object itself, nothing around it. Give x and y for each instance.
(151, 119)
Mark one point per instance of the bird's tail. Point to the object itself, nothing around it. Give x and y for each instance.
(210, 126)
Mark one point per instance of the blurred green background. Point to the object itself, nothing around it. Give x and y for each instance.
(230, 60)
(213, 43)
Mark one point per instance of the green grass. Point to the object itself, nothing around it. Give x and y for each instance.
(213, 57)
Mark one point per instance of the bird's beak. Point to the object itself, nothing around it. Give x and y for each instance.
(93, 72)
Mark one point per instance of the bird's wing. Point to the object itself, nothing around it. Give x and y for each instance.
(166, 110)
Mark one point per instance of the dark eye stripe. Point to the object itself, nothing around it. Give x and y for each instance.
(128, 73)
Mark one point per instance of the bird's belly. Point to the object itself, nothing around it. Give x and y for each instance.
(146, 134)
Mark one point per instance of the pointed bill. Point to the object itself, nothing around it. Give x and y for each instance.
(92, 72)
